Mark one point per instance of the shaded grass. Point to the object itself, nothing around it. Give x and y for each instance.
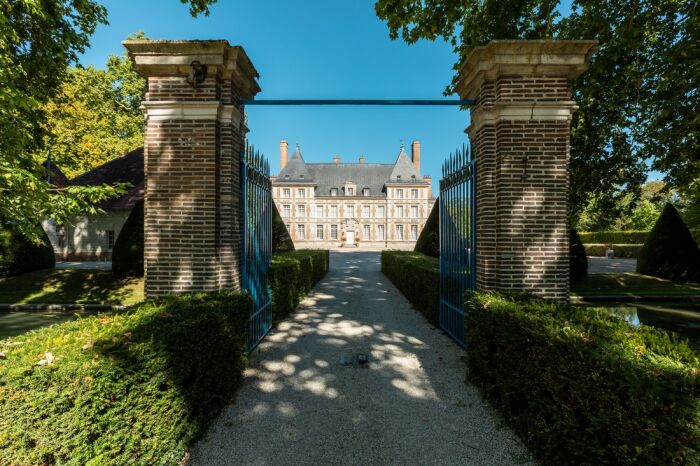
(71, 286)
(631, 284)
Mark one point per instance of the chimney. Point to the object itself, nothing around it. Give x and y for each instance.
(284, 153)
(415, 152)
(362, 159)
(429, 180)
(336, 158)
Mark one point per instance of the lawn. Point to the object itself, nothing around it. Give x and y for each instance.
(71, 286)
(631, 284)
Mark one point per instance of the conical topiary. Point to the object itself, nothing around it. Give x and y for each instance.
(429, 240)
(578, 262)
(127, 256)
(281, 241)
(669, 250)
(21, 255)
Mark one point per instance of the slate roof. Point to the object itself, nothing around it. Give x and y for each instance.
(334, 175)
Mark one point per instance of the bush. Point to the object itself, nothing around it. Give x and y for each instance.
(629, 251)
(127, 255)
(614, 237)
(670, 251)
(583, 387)
(281, 241)
(429, 240)
(417, 276)
(136, 387)
(292, 275)
(578, 262)
(19, 255)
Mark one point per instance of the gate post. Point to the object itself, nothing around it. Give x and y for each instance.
(195, 132)
(520, 130)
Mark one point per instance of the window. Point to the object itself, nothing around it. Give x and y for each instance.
(301, 231)
(414, 211)
(365, 211)
(365, 192)
(365, 232)
(334, 211)
(399, 232)
(399, 211)
(399, 193)
(319, 211)
(334, 231)
(289, 228)
(350, 191)
(301, 192)
(110, 239)
(380, 211)
(319, 231)
(350, 211)
(334, 192)
(381, 234)
(287, 210)
(414, 194)
(301, 210)
(414, 232)
(286, 192)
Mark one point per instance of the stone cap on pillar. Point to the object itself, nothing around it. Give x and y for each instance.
(553, 58)
(175, 58)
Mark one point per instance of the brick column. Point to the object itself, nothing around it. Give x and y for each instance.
(194, 133)
(520, 131)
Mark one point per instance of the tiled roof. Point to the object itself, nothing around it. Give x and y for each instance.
(55, 175)
(296, 169)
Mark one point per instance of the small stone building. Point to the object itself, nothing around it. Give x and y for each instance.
(357, 205)
(92, 237)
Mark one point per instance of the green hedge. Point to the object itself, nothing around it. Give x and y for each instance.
(19, 255)
(614, 237)
(293, 274)
(429, 240)
(583, 387)
(417, 276)
(136, 387)
(630, 251)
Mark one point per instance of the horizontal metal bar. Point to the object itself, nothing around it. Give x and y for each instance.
(467, 102)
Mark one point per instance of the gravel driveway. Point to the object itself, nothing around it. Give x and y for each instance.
(308, 400)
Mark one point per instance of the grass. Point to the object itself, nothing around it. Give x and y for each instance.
(631, 284)
(71, 286)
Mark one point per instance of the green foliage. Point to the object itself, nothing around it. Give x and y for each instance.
(417, 276)
(127, 255)
(616, 237)
(136, 387)
(19, 254)
(281, 241)
(628, 251)
(292, 276)
(581, 386)
(429, 240)
(578, 262)
(670, 250)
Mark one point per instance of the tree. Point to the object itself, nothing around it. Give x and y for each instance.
(631, 109)
(38, 42)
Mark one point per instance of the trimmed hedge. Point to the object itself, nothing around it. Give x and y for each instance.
(281, 241)
(614, 237)
(429, 240)
(293, 274)
(417, 276)
(581, 386)
(630, 251)
(19, 255)
(127, 256)
(135, 387)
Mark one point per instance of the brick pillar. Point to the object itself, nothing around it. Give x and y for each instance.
(195, 131)
(520, 131)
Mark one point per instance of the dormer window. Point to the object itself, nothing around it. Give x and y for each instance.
(286, 177)
(398, 177)
(365, 192)
(334, 192)
(350, 191)
(301, 177)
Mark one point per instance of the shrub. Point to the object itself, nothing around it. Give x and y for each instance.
(578, 262)
(127, 255)
(630, 251)
(19, 255)
(292, 275)
(581, 386)
(614, 237)
(417, 276)
(281, 241)
(429, 240)
(135, 387)
(670, 251)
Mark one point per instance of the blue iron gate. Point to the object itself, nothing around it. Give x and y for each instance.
(457, 239)
(257, 240)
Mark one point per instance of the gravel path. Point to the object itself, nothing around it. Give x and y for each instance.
(308, 401)
(619, 265)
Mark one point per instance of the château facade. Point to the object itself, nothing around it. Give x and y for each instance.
(357, 205)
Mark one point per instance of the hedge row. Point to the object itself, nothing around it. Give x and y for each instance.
(583, 387)
(417, 276)
(614, 237)
(621, 250)
(135, 387)
(293, 275)
(19, 255)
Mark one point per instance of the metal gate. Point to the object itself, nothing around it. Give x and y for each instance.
(457, 239)
(257, 240)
